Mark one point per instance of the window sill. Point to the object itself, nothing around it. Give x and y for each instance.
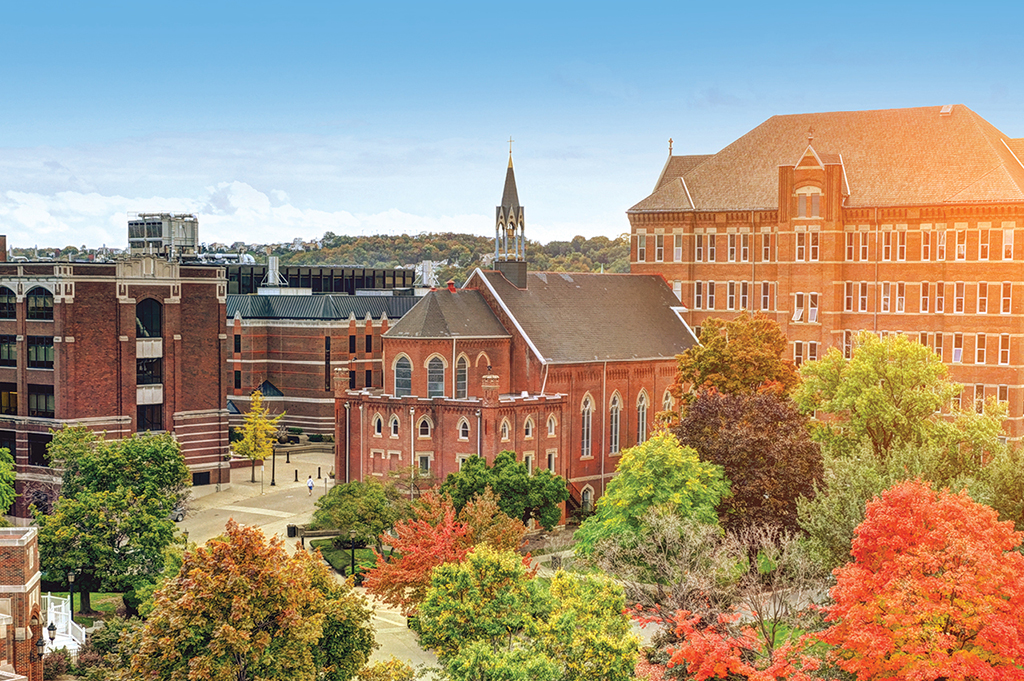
(586, 458)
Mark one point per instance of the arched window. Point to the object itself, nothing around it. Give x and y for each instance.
(587, 500)
(403, 377)
(586, 422)
(148, 319)
(40, 303)
(552, 424)
(614, 414)
(8, 301)
(394, 426)
(641, 418)
(464, 429)
(378, 426)
(424, 427)
(435, 378)
(461, 378)
(667, 403)
(528, 428)
(504, 430)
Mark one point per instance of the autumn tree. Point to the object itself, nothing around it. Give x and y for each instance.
(763, 445)
(656, 474)
(521, 495)
(935, 591)
(743, 355)
(243, 608)
(258, 432)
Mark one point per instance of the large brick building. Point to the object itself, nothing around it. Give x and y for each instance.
(125, 347)
(542, 364)
(893, 221)
(22, 621)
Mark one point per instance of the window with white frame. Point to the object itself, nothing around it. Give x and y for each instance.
(614, 413)
(461, 378)
(958, 297)
(979, 398)
(798, 307)
(586, 422)
(851, 246)
(812, 351)
(732, 247)
(979, 348)
(801, 246)
(901, 246)
(847, 344)
(394, 426)
(958, 348)
(926, 245)
(667, 403)
(940, 297)
(982, 297)
(1004, 394)
(504, 431)
(403, 377)
(766, 295)
(1004, 349)
(886, 246)
(659, 247)
(808, 202)
(730, 299)
(528, 429)
(677, 289)
(886, 292)
(863, 246)
(424, 427)
(528, 462)
(848, 296)
(863, 302)
(641, 418)
(813, 243)
(698, 295)
(940, 245)
(378, 426)
(641, 247)
(551, 461)
(711, 295)
(983, 243)
(812, 308)
(463, 429)
(1007, 244)
(922, 338)
(744, 248)
(961, 244)
(901, 296)
(766, 248)
(798, 352)
(939, 346)
(552, 424)
(698, 248)
(744, 295)
(925, 295)
(435, 377)
(712, 245)
(1007, 303)
(677, 247)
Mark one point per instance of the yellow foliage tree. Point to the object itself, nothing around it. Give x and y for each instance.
(258, 432)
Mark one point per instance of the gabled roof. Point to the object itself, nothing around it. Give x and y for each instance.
(443, 314)
(319, 307)
(592, 317)
(891, 157)
(677, 166)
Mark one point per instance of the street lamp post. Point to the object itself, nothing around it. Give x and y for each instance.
(185, 533)
(352, 549)
(71, 593)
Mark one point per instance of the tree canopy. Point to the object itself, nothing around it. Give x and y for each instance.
(259, 432)
(765, 450)
(7, 493)
(743, 355)
(369, 508)
(521, 494)
(656, 474)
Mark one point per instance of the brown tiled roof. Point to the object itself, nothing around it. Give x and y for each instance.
(593, 317)
(891, 157)
(677, 166)
(443, 314)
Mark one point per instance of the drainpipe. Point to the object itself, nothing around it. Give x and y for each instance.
(878, 286)
(479, 433)
(348, 442)
(362, 438)
(604, 429)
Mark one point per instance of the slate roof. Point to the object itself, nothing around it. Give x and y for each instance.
(443, 314)
(510, 197)
(324, 307)
(891, 157)
(593, 317)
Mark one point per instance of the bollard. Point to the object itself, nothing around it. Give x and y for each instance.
(288, 456)
(296, 475)
(318, 472)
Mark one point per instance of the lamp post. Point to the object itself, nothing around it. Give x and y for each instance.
(185, 533)
(352, 549)
(41, 642)
(71, 592)
(281, 439)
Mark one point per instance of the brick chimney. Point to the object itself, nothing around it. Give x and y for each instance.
(451, 286)
(490, 384)
(340, 381)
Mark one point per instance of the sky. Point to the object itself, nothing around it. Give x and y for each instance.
(274, 121)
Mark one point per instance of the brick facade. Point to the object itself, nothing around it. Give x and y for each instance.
(21, 622)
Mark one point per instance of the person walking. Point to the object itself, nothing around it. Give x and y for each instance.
(309, 485)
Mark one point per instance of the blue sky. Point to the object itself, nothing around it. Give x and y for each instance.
(283, 120)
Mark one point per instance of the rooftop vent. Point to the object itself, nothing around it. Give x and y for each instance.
(946, 110)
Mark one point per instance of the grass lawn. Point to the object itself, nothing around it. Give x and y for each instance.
(104, 603)
(341, 559)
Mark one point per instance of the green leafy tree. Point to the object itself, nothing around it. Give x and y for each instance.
(369, 508)
(259, 432)
(242, 608)
(743, 355)
(520, 495)
(7, 493)
(765, 449)
(890, 394)
(114, 540)
(656, 474)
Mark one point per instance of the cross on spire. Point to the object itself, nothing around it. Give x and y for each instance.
(510, 141)
(810, 134)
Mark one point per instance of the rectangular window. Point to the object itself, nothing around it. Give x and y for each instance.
(815, 205)
(732, 247)
(940, 297)
(351, 345)
(847, 344)
(659, 247)
(368, 378)
(744, 295)
(801, 205)
(958, 297)
(864, 246)
(1006, 302)
(901, 296)
(744, 248)
(801, 246)
(922, 338)
(1004, 394)
(863, 296)
(848, 297)
(983, 243)
(711, 247)
(677, 289)
(766, 248)
(238, 342)
(766, 295)
(730, 301)
(851, 246)
(9, 400)
(940, 245)
(40, 352)
(798, 353)
(641, 247)
(149, 371)
(815, 241)
(351, 380)
(677, 247)
(8, 351)
(979, 349)
(979, 398)
(958, 348)
(1004, 349)
(901, 246)
(40, 401)
(812, 308)
(812, 351)
(798, 307)
(886, 246)
(926, 245)
(925, 295)
(961, 244)
(551, 461)
(938, 346)
(711, 295)
(368, 344)
(982, 297)
(698, 295)
(698, 249)
(238, 380)
(885, 297)
(1007, 244)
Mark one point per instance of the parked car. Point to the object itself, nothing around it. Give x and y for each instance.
(177, 514)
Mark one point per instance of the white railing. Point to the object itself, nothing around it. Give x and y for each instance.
(57, 609)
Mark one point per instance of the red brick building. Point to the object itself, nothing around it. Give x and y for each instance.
(22, 622)
(288, 346)
(126, 347)
(547, 368)
(893, 221)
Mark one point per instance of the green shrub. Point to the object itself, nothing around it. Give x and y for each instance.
(56, 663)
(294, 431)
(316, 437)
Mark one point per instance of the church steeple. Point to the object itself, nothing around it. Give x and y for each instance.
(509, 231)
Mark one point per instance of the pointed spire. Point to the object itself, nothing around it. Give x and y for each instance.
(510, 197)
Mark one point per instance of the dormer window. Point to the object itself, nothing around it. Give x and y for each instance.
(808, 202)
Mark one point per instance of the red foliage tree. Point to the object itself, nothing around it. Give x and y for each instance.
(935, 591)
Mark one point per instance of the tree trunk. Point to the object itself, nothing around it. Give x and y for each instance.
(85, 602)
